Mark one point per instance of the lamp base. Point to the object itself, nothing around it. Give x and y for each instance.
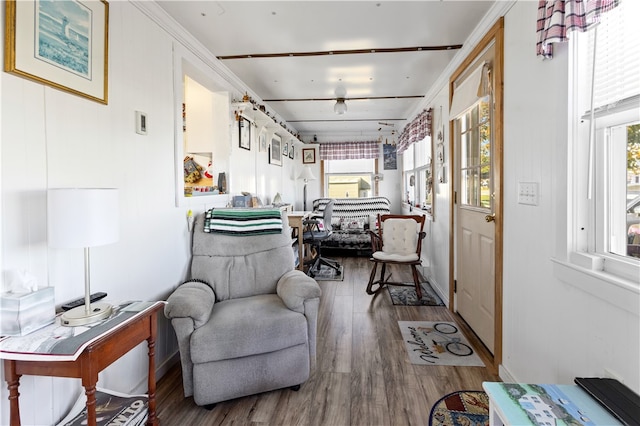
(79, 316)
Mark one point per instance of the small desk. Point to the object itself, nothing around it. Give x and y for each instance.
(295, 222)
(97, 356)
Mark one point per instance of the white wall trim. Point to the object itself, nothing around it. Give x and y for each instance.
(143, 386)
(618, 292)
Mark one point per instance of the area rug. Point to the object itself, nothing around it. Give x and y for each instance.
(329, 274)
(461, 408)
(401, 295)
(437, 343)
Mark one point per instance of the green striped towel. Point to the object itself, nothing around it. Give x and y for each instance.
(243, 222)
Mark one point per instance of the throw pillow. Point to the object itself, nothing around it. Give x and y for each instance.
(353, 225)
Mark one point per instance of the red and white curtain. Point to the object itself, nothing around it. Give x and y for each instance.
(416, 130)
(557, 18)
(349, 150)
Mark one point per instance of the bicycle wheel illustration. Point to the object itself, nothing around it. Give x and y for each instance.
(445, 328)
(459, 348)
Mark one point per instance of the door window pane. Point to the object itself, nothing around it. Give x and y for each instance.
(475, 162)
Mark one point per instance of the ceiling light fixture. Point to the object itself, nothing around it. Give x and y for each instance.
(340, 107)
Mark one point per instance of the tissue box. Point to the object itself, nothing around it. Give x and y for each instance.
(23, 313)
(242, 201)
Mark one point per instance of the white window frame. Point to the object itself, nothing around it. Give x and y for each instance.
(345, 168)
(589, 264)
(411, 167)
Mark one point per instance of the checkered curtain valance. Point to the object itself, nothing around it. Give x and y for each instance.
(556, 18)
(418, 129)
(349, 150)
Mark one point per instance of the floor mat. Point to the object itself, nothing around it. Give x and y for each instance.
(401, 295)
(437, 343)
(329, 274)
(461, 408)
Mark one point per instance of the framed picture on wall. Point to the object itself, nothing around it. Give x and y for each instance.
(275, 150)
(308, 156)
(244, 128)
(262, 141)
(291, 151)
(62, 44)
(285, 150)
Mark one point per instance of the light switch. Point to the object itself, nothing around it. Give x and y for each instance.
(141, 123)
(528, 193)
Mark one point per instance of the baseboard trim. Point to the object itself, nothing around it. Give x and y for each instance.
(161, 370)
(505, 374)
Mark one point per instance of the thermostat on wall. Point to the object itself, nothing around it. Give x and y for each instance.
(141, 123)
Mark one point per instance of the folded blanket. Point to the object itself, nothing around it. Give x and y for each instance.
(243, 222)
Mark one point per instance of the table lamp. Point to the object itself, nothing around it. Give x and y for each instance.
(306, 175)
(83, 217)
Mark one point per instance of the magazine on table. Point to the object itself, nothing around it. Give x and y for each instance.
(56, 342)
(112, 408)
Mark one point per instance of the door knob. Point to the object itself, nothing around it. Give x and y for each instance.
(490, 217)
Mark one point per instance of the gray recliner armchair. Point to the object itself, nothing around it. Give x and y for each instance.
(246, 321)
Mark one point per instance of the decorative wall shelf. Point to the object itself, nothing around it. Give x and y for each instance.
(263, 120)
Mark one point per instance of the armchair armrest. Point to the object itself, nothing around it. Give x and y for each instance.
(295, 287)
(191, 300)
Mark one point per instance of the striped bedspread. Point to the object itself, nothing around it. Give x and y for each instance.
(243, 222)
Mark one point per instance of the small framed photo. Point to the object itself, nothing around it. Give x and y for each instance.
(285, 150)
(291, 151)
(308, 156)
(262, 141)
(63, 44)
(244, 129)
(440, 153)
(275, 150)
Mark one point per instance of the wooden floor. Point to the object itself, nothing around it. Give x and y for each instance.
(363, 375)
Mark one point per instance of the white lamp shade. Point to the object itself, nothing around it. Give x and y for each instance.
(306, 174)
(82, 217)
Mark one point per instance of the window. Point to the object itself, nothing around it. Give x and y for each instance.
(349, 178)
(475, 156)
(418, 175)
(606, 143)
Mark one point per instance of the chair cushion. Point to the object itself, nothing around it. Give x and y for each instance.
(400, 236)
(394, 257)
(247, 326)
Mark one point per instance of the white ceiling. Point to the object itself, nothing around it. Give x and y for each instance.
(229, 28)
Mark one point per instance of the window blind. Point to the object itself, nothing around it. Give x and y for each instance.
(466, 93)
(617, 62)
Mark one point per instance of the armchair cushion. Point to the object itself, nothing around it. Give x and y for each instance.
(248, 326)
(192, 299)
(295, 287)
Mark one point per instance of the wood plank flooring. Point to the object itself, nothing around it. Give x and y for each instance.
(362, 377)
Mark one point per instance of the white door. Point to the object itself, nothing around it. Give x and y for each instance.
(475, 229)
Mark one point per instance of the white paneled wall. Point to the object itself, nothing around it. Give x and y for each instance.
(553, 331)
(54, 139)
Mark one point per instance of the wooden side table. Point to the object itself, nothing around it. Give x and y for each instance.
(94, 358)
(295, 222)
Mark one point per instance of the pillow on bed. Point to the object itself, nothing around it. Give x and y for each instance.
(355, 224)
